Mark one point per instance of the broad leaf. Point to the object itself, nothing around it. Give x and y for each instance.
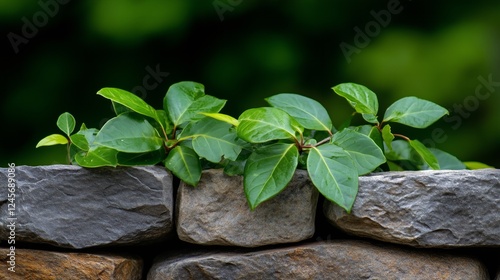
(66, 123)
(446, 161)
(387, 136)
(264, 124)
(334, 174)
(129, 100)
(362, 99)
(80, 142)
(100, 156)
(53, 139)
(185, 101)
(414, 112)
(223, 117)
(365, 153)
(150, 158)
(307, 112)
(212, 139)
(129, 133)
(185, 164)
(424, 152)
(268, 171)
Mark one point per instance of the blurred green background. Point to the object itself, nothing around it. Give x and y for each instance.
(58, 53)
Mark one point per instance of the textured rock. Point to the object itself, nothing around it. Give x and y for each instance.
(36, 264)
(426, 208)
(216, 212)
(73, 207)
(331, 260)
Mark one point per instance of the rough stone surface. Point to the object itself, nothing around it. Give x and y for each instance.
(448, 208)
(73, 207)
(323, 260)
(37, 264)
(216, 212)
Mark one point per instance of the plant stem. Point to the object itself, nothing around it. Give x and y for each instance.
(402, 136)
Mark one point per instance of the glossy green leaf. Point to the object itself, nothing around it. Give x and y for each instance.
(165, 122)
(80, 142)
(268, 171)
(414, 112)
(264, 124)
(307, 112)
(362, 99)
(135, 159)
(53, 139)
(223, 117)
(66, 123)
(129, 133)
(445, 160)
(401, 150)
(84, 138)
(98, 157)
(334, 174)
(213, 139)
(387, 136)
(185, 101)
(473, 165)
(424, 152)
(365, 153)
(129, 100)
(185, 164)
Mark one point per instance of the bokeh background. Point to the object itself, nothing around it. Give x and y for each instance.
(56, 54)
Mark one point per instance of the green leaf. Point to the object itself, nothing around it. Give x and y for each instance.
(264, 124)
(84, 138)
(362, 99)
(129, 133)
(401, 150)
(365, 153)
(376, 136)
(134, 159)
(100, 156)
(66, 123)
(334, 174)
(446, 161)
(80, 141)
(237, 167)
(387, 136)
(119, 108)
(212, 139)
(185, 164)
(53, 139)
(223, 117)
(476, 165)
(268, 171)
(129, 100)
(185, 101)
(307, 112)
(426, 155)
(414, 112)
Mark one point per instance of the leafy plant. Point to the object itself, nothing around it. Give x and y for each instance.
(266, 145)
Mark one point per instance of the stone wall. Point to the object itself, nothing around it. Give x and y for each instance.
(68, 222)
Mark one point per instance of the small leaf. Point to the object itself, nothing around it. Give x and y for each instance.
(185, 101)
(387, 136)
(401, 150)
(66, 123)
(129, 100)
(135, 159)
(365, 153)
(307, 112)
(223, 117)
(264, 124)
(473, 165)
(185, 164)
(268, 171)
(414, 112)
(426, 155)
(334, 174)
(80, 142)
(98, 157)
(129, 133)
(212, 139)
(376, 136)
(53, 139)
(362, 99)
